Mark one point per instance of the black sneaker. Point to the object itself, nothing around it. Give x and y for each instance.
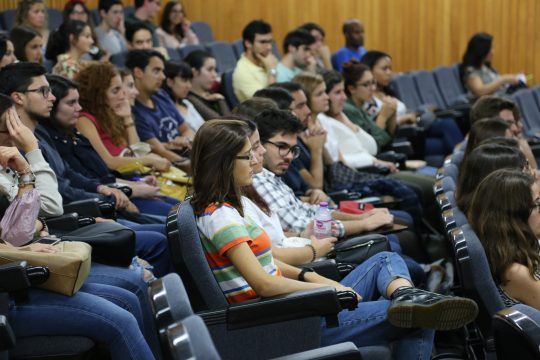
(415, 308)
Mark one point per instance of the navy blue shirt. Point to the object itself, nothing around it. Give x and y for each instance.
(292, 177)
(161, 122)
(345, 54)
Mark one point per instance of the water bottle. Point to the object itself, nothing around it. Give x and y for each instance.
(322, 227)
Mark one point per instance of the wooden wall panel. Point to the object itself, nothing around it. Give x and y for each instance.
(417, 33)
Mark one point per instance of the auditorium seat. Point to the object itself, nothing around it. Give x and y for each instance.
(529, 109)
(174, 54)
(224, 54)
(8, 19)
(516, 331)
(450, 88)
(238, 46)
(184, 51)
(119, 59)
(55, 18)
(96, 18)
(228, 90)
(203, 31)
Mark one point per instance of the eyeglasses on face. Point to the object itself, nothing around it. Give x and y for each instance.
(368, 84)
(285, 149)
(245, 157)
(43, 90)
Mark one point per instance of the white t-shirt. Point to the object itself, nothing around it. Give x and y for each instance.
(193, 118)
(358, 149)
(271, 225)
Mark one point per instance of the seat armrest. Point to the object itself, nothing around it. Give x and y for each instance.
(13, 277)
(338, 196)
(128, 191)
(327, 268)
(86, 207)
(61, 224)
(297, 305)
(7, 337)
(448, 113)
(403, 147)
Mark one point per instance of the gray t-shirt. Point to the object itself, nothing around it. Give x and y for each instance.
(112, 41)
(487, 75)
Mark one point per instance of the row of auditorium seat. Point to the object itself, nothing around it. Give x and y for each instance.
(505, 332)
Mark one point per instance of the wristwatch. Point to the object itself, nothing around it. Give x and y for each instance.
(272, 72)
(303, 272)
(27, 179)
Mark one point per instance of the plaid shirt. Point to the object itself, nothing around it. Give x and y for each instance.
(293, 214)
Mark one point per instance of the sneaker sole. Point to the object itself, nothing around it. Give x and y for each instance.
(446, 314)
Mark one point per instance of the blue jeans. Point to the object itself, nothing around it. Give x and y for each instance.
(151, 245)
(416, 272)
(87, 313)
(156, 206)
(442, 136)
(368, 324)
(130, 279)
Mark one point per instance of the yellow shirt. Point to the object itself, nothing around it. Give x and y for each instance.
(248, 78)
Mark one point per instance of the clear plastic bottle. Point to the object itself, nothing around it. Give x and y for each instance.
(322, 227)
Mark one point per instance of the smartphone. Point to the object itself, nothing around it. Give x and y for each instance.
(50, 240)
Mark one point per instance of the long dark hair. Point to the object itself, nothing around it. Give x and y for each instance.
(477, 50)
(173, 69)
(59, 40)
(20, 36)
(165, 22)
(215, 146)
(501, 222)
(480, 163)
(60, 87)
(371, 58)
(482, 130)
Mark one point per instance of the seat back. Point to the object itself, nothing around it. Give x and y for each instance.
(449, 86)
(475, 275)
(189, 260)
(174, 54)
(186, 50)
(55, 18)
(456, 158)
(536, 92)
(96, 17)
(119, 59)
(427, 88)
(452, 171)
(405, 88)
(516, 331)
(8, 19)
(238, 46)
(224, 54)
(448, 183)
(190, 339)
(203, 31)
(529, 109)
(228, 90)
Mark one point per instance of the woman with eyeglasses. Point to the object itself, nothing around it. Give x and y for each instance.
(508, 226)
(174, 31)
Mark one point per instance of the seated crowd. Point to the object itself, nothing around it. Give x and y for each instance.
(311, 128)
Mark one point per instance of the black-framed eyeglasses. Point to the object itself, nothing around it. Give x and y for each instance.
(245, 157)
(285, 149)
(43, 90)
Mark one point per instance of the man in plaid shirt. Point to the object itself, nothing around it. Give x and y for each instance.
(278, 130)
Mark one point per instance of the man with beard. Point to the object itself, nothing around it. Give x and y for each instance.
(353, 30)
(157, 120)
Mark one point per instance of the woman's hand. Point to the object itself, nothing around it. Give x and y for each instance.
(123, 109)
(143, 190)
(11, 158)
(386, 164)
(377, 220)
(45, 248)
(388, 107)
(511, 79)
(323, 246)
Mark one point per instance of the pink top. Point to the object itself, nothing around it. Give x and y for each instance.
(113, 149)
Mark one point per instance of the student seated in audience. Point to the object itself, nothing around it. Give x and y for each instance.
(490, 106)
(484, 129)
(353, 30)
(77, 10)
(79, 153)
(208, 103)
(67, 45)
(7, 52)
(490, 155)
(27, 43)
(359, 86)
(297, 55)
(145, 10)
(110, 32)
(106, 119)
(102, 279)
(508, 226)
(441, 136)
(178, 85)
(33, 13)
(174, 30)
(27, 85)
(139, 36)
(256, 68)
(321, 51)
(157, 120)
(245, 251)
(476, 72)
